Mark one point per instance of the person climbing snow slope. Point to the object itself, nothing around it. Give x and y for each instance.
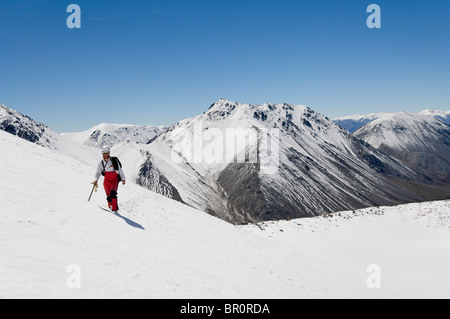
(111, 169)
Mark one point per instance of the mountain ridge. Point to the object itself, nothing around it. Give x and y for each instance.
(420, 141)
(111, 134)
(353, 122)
(35, 132)
(319, 165)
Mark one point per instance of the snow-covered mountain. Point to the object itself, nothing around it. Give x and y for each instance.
(420, 141)
(249, 163)
(56, 244)
(353, 122)
(444, 116)
(23, 126)
(28, 129)
(112, 134)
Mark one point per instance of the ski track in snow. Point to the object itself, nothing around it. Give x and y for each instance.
(181, 252)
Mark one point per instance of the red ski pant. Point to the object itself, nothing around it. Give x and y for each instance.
(111, 184)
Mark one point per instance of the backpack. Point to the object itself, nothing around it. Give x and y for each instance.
(116, 163)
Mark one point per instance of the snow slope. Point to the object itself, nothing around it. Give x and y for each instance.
(28, 129)
(160, 248)
(408, 242)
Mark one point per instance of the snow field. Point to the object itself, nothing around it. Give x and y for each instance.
(160, 248)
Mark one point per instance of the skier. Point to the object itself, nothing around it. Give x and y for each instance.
(111, 169)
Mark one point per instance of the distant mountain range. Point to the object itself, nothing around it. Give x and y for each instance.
(353, 122)
(112, 134)
(420, 141)
(250, 163)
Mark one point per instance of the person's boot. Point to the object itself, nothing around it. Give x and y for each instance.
(114, 206)
(109, 199)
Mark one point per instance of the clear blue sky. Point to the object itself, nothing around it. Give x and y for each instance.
(156, 62)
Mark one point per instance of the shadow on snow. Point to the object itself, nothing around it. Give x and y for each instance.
(127, 220)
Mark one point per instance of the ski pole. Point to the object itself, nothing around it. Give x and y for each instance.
(93, 187)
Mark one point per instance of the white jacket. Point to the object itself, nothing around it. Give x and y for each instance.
(109, 167)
